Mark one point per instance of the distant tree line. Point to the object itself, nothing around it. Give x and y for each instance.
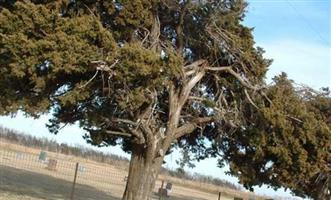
(180, 173)
(51, 145)
(80, 151)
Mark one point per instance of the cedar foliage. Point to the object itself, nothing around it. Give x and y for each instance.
(158, 74)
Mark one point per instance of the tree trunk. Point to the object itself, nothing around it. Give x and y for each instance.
(143, 171)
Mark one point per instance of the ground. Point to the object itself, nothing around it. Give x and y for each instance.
(24, 177)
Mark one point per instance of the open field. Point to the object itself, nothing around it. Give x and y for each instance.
(35, 186)
(23, 176)
(22, 184)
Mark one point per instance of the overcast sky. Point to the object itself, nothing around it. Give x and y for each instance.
(295, 33)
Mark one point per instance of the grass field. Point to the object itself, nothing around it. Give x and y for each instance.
(23, 177)
(22, 184)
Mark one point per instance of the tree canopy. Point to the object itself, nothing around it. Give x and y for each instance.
(153, 74)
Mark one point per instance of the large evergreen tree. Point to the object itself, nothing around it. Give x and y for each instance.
(153, 74)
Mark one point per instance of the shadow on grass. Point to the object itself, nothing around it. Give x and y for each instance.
(35, 185)
(29, 184)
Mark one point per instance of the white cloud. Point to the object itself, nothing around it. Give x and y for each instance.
(304, 62)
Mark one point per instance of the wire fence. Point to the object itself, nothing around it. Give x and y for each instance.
(54, 176)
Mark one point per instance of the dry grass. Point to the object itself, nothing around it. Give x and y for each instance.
(25, 178)
(24, 184)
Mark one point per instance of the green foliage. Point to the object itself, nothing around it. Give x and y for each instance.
(285, 144)
(40, 52)
(185, 160)
(92, 61)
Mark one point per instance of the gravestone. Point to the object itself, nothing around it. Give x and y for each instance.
(81, 168)
(51, 165)
(19, 155)
(169, 186)
(42, 156)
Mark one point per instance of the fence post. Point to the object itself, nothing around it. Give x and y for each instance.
(74, 183)
(161, 191)
(162, 184)
(219, 195)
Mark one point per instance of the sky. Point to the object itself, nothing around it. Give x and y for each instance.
(296, 34)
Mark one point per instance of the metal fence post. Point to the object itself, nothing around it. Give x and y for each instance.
(74, 183)
(162, 184)
(219, 195)
(161, 191)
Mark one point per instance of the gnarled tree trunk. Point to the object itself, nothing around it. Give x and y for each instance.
(143, 172)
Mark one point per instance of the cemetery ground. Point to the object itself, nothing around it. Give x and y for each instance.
(24, 177)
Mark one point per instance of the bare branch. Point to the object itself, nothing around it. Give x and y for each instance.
(241, 80)
(250, 100)
(195, 64)
(185, 129)
(294, 118)
(225, 68)
(265, 96)
(188, 128)
(173, 108)
(201, 99)
(190, 72)
(138, 135)
(222, 100)
(189, 86)
(146, 36)
(193, 68)
(119, 133)
(179, 27)
(154, 106)
(173, 117)
(196, 98)
(148, 133)
(89, 81)
(155, 33)
(100, 65)
(126, 121)
(236, 75)
(129, 125)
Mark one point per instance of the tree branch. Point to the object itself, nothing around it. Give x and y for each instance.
(236, 75)
(195, 64)
(119, 133)
(147, 132)
(250, 100)
(125, 121)
(179, 28)
(192, 68)
(133, 131)
(224, 68)
(189, 86)
(190, 72)
(200, 99)
(188, 128)
(173, 108)
(294, 119)
(155, 33)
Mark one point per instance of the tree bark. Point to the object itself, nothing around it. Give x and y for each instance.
(143, 172)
